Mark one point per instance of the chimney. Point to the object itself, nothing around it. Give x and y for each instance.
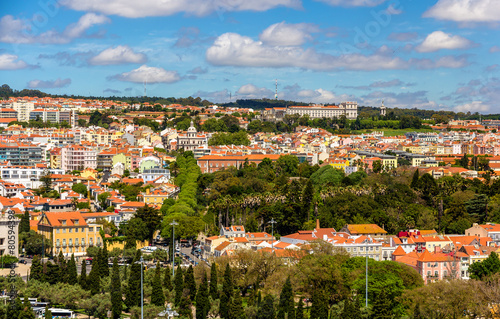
(317, 224)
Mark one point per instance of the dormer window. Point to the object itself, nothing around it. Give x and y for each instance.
(63, 222)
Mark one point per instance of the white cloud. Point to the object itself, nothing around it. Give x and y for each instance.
(250, 91)
(215, 96)
(120, 55)
(14, 30)
(58, 83)
(148, 74)
(284, 34)
(439, 40)
(154, 8)
(11, 62)
(416, 99)
(465, 10)
(232, 49)
(353, 3)
(474, 106)
(495, 49)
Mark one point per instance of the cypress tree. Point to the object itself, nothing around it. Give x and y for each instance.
(227, 293)
(63, 268)
(236, 310)
(300, 310)
(286, 304)
(266, 311)
(185, 308)
(202, 302)
(319, 308)
(189, 283)
(167, 281)
(93, 280)
(83, 275)
(72, 273)
(178, 285)
(52, 275)
(133, 293)
(24, 224)
(116, 291)
(36, 270)
(125, 273)
(259, 299)
(48, 313)
(414, 180)
(214, 293)
(104, 260)
(157, 297)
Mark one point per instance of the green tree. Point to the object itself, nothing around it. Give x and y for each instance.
(351, 309)
(227, 293)
(102, 198)
(414, 180)
(93, 281)
(464, 161)
(133, 292)
(83, 275)
(300, 310)
(80, 188)
(236, 311)
(167, 281)
(202, 299)
(266, 310)
(178, 285)
(157, 297)
(24, 224)
(484, 269)
(151, 217)
(36, 269)
(377, 166)
(48, 313)
(189, 283)
(214, 292)
(116, 291)
(319, 308)
(72, 272)
(381, 306)
(104, 259)
(288, 165)
(286, 306)
(26, 311)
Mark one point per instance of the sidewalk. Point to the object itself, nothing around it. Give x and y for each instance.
(21, 269)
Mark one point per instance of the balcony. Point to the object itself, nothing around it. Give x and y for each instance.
(58, 245)
(64, 245)
(77, 244)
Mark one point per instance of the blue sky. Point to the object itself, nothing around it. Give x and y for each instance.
(434, 54)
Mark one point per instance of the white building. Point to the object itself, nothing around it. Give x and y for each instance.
(23, 109)
(29, 176)
(347, 109)
(5, 239)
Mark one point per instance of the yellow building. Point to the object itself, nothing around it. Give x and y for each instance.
(155, 197)
(55, 158)
(339, 164)
(89, 172)
(125, 159)
(69, 233)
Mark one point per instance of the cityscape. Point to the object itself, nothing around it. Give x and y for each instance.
(280, 159)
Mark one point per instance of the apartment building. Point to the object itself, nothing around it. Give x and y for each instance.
(20, 153)
(6, 241)
(347, 109)
(214, 163)
(77, 157)
(23, 109)
(29, 176)
(8, 113)
(54, 116)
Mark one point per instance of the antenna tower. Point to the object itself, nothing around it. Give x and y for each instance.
(276, 94)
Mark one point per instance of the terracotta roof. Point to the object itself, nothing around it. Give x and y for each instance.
(55, 219)
(365, 229)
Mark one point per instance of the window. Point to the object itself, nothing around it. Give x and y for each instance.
(76, 229)
(58, 231)
(70, 230)
(64, 230)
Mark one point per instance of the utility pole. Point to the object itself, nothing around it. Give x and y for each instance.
(366, 287)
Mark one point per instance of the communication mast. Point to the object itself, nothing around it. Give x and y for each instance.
(276, 94)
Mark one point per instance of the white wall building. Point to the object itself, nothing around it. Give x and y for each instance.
(5, 239)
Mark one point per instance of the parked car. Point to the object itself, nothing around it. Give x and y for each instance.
(23, 261)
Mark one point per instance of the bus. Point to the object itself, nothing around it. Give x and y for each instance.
(58, 313)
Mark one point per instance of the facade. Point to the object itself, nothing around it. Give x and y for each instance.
(486, 230)
(105, 160)
(214, 163)
(347, 109)
(20, 154)
(188, 141)
(152, 174)
(8, 113)
(6, 239)
(78, 157)
(29, 176)
(69, 232)
(54, 116)
(23, 109)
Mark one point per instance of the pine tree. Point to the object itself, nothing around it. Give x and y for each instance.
(167, 281)
(104, 260)
(83, 275)
(214, 293)
(266, 311)
(48, 313)
(24, 224)
(14, 309)
(236, 311)
(116, 291)
(286, 304)
(319, 308)
(157, 297)
(93, 280)
(202, 302)
(227, 293)
(26, 311)
(185, 308)
(178, 285)
(300, 310)
(36, 270)
(133, 293)
(189, 283)
(414, 180)
(63, 268)
(72, 273)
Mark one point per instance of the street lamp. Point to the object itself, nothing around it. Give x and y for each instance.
(366, 275)
(173, 224)
(272, 222)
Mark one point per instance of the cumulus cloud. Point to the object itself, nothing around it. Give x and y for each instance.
(353, 3)
(403, 36)
(215, 96)
(232, 49)
(465, 10)
(148, 74)
(250, 91)
(439, 40)
(474, 106)
(483, 93)
(68, 59)
(119, 55)
(11, 62)
(58, 83)
(198, 70)
(285, 34)
(154, 8)
(14, 30)
(416, 99)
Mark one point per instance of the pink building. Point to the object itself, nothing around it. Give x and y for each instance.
(77, 157)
